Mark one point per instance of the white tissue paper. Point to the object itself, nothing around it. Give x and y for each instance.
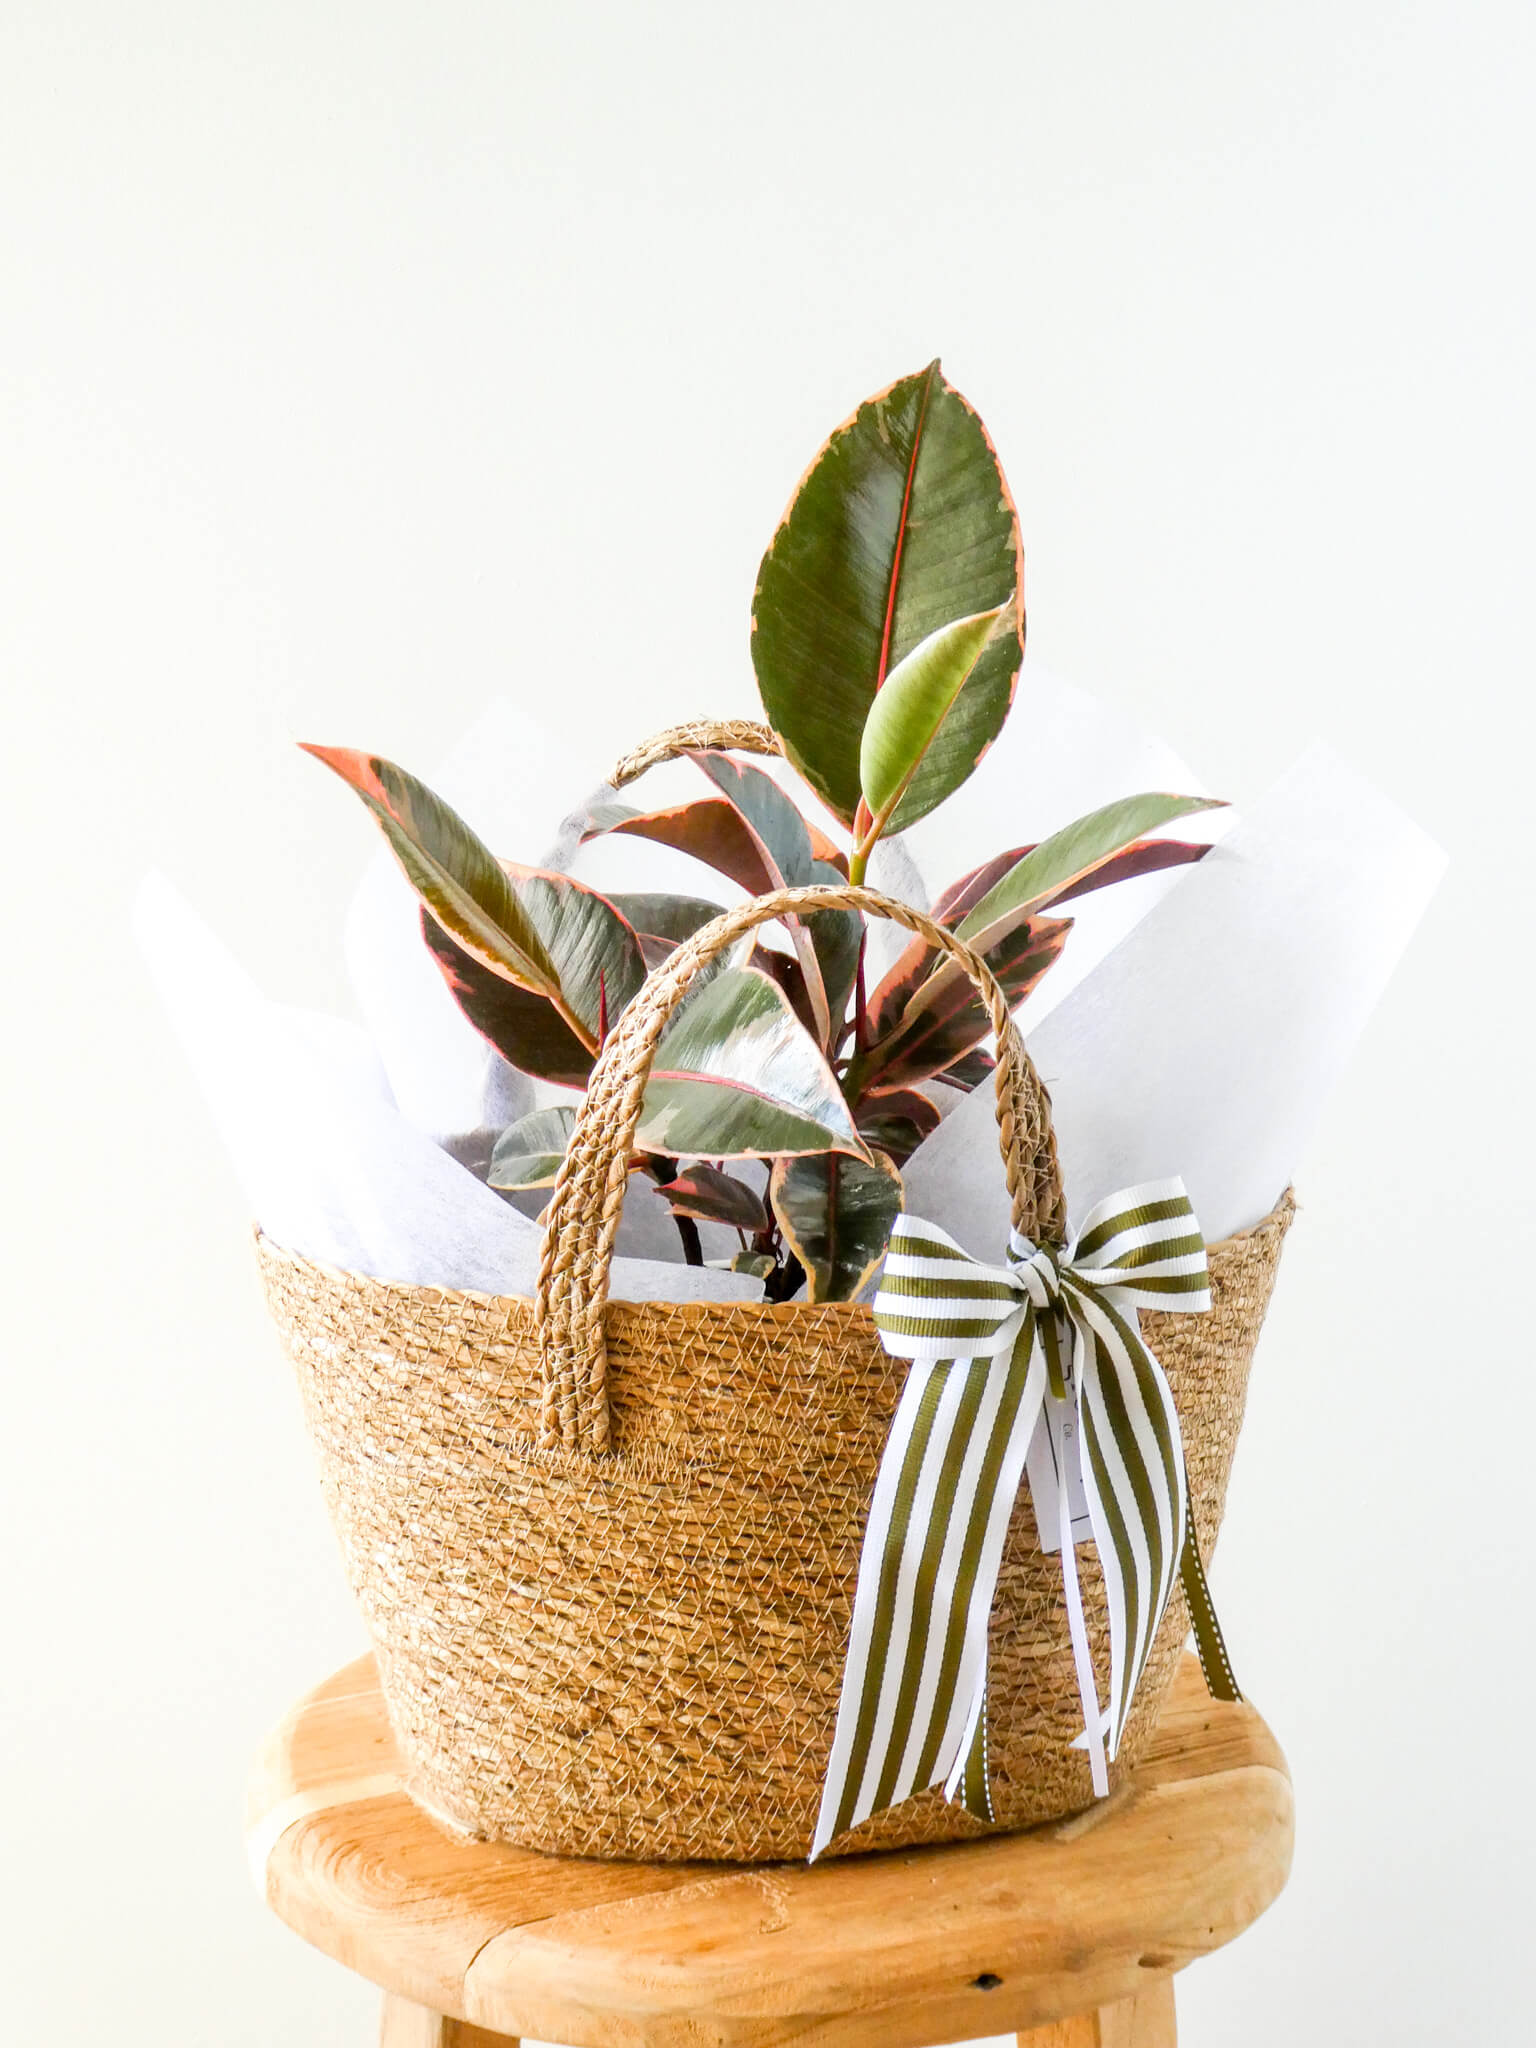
(1206, 1044)
(330, 1167)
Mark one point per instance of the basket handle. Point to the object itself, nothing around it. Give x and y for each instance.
(583, 1213)
(737, 735)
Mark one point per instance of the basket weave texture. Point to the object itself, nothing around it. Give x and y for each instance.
(639, 1654)
(607, 1551)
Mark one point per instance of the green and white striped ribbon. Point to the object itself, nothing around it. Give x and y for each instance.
(990, 1347)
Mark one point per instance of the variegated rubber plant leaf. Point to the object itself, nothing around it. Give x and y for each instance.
(836, 1215)
(908, 723)
(902, 524)
(456, 876)
(596, 966)
(1003, 899)
(921, 1024)
(1141, 857)
(737, 1076)
(528, 1153)
(1065, 863)
(896, 1121)
(711, 831)
(537, 934)
(826, 944)
(661, 923)
(706, 1193)
(526, 1029)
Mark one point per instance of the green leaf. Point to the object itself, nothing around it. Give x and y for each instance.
(668, 918)
(907, 718)
(1068, 856)
(921, 986)
(456, 876)
(759, 1264)
(825, 944)
(785, 969)
(714, 832)
(969, 1071)
(896, 1121)
(836, 1214)
(524, 1028)
(596, 957)
(837, 937)
(596, 965)
(736, 1076)
(919, 1031)
(779, 833)
(902, 523)
(715, 1197)
(528, 1153)
(1141, 857)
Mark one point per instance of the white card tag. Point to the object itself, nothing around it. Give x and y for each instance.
(1053, 1449)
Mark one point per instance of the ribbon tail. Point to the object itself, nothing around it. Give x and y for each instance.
(1082, 1655)
(1133, 1475)
(1210, 1644)
(914, 1680)
(970, 1782)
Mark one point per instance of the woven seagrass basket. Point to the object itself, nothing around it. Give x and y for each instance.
(606, 1552)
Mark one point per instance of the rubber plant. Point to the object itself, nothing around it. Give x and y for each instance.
(887, 637)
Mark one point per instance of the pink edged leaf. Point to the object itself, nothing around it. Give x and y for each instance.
(1141, 857)
(526, 1029)
(907, 721)
(673, 918)
(595, 953)
(989, 904)
(456, 876)
(712, 831)
(896, 1121)
(596, 965)
(704, 1191)
(836, 1214)
(969, 1071)
(918, 1032)
(1064, 861)
(951, 904)
(916, 964)
(528, 1153)
(902, 523)
(737, 1076)
(826, 943)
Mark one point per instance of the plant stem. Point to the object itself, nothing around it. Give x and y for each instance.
(858, 859)
(785, 1282)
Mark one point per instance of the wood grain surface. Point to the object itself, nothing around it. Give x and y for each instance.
(1088, 1917)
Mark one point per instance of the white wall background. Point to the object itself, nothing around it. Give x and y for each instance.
(360, 360)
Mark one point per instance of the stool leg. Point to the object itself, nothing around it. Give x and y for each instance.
(416, 2026)
(1145, 2021)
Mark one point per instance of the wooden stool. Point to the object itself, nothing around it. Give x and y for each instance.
(1070, 1932)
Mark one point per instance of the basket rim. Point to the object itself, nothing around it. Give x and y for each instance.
(743, 1314)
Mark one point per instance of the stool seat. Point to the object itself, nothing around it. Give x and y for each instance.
(475, 1942)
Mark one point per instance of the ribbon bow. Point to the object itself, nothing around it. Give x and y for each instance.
(1049, 1342)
